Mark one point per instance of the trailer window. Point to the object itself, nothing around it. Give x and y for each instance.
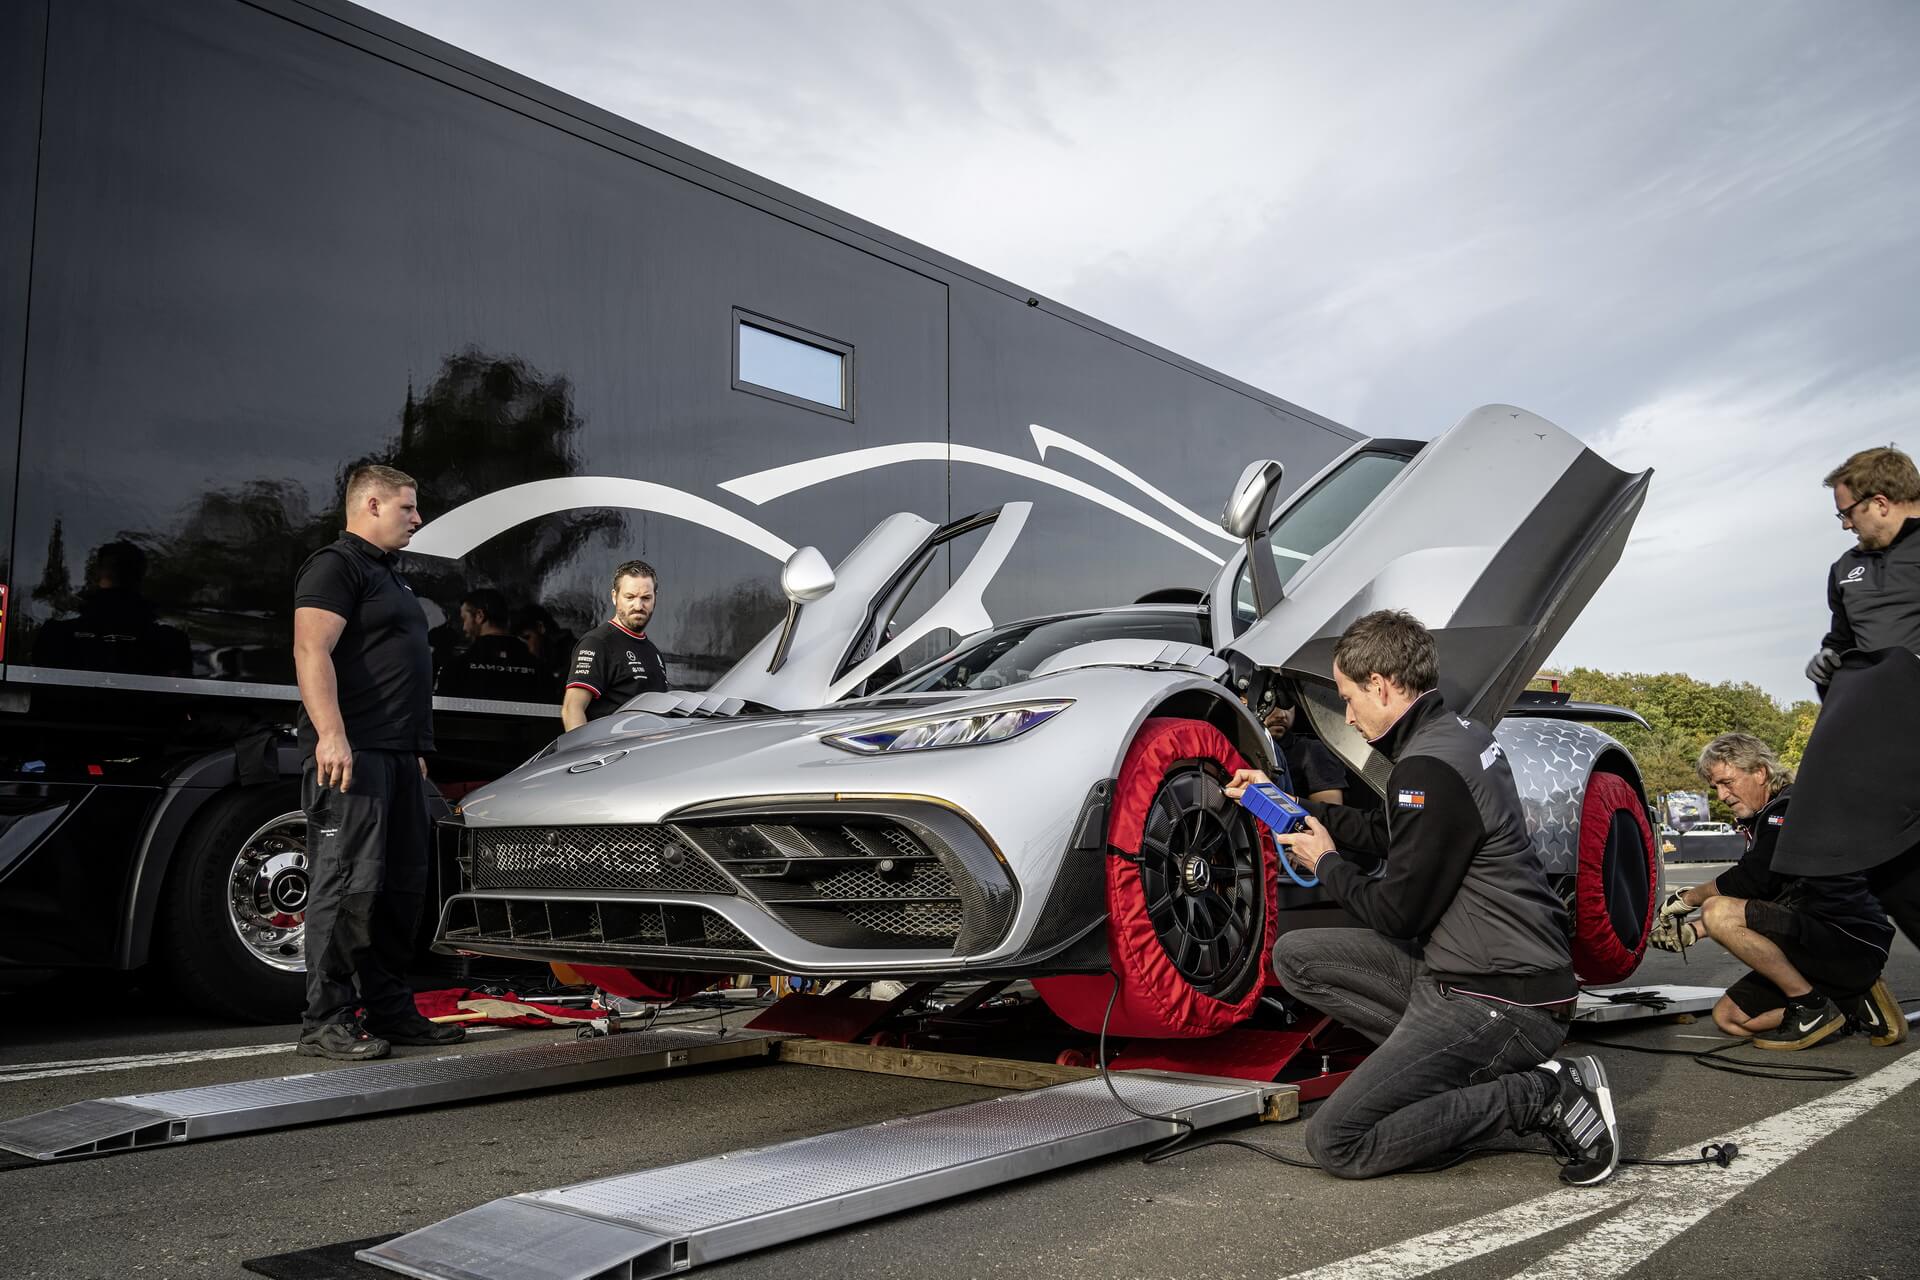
(793, 365)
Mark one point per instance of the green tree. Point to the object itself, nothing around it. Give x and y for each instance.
(1683, 715)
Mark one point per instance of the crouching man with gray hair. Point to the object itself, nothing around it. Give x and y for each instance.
(1816, 947)
(1462, 975)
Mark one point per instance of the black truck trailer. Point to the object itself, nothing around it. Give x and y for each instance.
(245, 244)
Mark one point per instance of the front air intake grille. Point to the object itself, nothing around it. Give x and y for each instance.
(859, 880)
(612, 857)
(583, 927)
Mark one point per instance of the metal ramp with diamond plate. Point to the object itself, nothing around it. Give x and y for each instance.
(658, 1222)
(104, 1125)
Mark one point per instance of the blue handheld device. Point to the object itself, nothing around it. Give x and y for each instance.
(1281, 814)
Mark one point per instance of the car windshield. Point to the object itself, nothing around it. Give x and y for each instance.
(1316, 519)
(1010, 654)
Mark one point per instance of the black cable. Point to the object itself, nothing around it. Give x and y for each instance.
(1106, 1078)
(1792, 1072)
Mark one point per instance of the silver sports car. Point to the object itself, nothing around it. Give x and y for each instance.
(1044, 799)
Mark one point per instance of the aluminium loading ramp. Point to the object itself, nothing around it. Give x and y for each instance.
(141, 1120)
(662, 1221)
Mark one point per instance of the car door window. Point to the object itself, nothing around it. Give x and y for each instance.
(1316, 519)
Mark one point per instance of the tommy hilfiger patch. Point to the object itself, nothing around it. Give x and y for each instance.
(1777, 820)
(1412, 799)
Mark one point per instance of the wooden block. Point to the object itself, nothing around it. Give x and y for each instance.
(960, 1068)
(1282, 1106)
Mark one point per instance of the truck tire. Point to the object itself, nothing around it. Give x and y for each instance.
(232, 922)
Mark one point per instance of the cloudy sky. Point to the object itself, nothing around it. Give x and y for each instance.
(1685, 232)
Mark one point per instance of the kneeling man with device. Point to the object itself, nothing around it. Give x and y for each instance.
(1462, 976)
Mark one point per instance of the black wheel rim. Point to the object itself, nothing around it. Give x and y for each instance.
(1200, 873)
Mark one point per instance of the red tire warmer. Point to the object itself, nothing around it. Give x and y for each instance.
(1600, 954)
(1154, 1000)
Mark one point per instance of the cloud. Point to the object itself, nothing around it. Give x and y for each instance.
(1683, 232)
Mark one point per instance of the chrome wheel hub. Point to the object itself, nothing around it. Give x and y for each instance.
(267, 892)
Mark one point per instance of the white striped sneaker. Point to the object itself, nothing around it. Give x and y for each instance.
(1579, 1120)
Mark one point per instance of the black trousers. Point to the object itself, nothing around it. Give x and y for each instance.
(367, 860)
(1452, 1071)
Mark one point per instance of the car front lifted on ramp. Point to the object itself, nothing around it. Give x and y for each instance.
(662, 1221)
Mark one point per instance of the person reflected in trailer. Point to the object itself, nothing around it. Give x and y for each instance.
(116, 628)
(550, 643)
(496, 665)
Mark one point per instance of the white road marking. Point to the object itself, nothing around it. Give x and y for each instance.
(1660, 1203)
(131, 1062)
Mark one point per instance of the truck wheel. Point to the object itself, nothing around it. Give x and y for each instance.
(1614, 888)
(1190, 894)
(233, 921)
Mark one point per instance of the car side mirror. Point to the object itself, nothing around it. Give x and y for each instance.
(805, 577)
(1248, 516)
(1241, 517)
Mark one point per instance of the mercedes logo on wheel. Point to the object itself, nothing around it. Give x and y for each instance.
(289, 892)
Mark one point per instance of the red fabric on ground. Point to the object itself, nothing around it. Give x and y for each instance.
(1599, 955)
(637, 984)
(1154, 1000)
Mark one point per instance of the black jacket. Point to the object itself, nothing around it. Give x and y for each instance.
(1449, 865)
(1875, 596)
(1844, 901)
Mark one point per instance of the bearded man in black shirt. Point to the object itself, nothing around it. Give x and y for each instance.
(366, 723)
(615, 661)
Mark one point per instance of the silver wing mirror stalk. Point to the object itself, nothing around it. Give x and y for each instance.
(806, 577)
(1248, 515)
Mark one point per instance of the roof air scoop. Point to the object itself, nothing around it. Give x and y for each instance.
(1249, 516)
(806, 577)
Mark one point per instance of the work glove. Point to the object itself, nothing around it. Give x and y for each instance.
(1675, 905)
(1820, 670)
(1670, 934)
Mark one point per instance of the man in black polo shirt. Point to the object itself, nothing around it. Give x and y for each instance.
(366, 694)
(1462, 976)
(615, 661)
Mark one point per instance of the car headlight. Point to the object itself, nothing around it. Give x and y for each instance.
(927, 733)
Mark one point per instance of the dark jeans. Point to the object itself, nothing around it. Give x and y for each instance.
(1451, 1071)
(367, 858)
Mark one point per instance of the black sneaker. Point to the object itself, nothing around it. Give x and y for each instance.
(1579, 1120)
(1803, 1025)
(343, 1041)
(413, 1029)
(1878, 1016)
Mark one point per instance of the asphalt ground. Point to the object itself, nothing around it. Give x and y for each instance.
(1836, 1199)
